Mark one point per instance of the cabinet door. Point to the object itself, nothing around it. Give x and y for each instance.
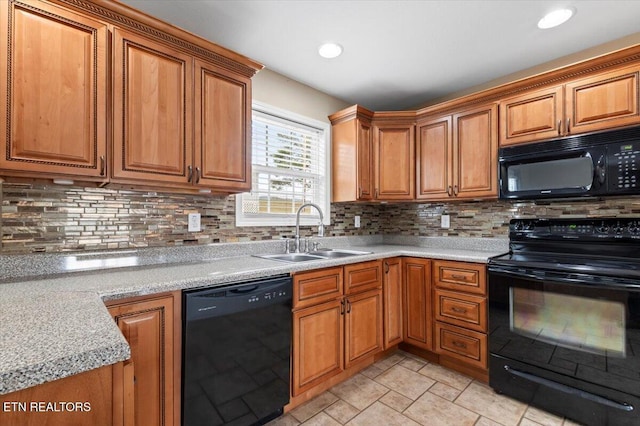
(152, 131)
(603, 101)
(364, 165)
(149, 327)
(434, 159)
(318, 344)
(392, 307)
(417, 302)
(363, 326)
(395, 162)
(475, 141)
(222, 129)
(532, 116)
(54, 112)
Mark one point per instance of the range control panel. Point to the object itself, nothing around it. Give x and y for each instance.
(623, 166)
(575, 229)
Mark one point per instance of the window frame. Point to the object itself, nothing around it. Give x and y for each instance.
(290, 219)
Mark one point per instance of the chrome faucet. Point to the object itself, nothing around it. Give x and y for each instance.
(320, 225)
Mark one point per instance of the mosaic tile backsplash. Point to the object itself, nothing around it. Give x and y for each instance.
(52, 218)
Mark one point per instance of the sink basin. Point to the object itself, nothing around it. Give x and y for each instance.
(336, 254)
(315, 255)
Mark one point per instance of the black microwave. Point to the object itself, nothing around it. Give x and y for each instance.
(592, 165)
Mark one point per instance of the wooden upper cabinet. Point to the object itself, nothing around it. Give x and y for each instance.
(55, 89)
(532, 116)
(394, 161)
(475, 153)
(603, 101)
(598, 102)
(434, 158)
(152, 138)
(222, 129)
(458, 155)
(352, 155)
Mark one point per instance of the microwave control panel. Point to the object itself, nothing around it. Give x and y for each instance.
(623, 166)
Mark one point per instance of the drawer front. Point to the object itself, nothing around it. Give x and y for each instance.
(311, 288)
(465, 345)
(362, 276)
(460, 276)
(461, 309)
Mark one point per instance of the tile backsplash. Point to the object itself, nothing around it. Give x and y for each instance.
(52, 218)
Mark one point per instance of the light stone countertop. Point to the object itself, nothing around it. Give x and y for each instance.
(55, 327)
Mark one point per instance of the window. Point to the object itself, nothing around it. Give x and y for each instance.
(289, 169)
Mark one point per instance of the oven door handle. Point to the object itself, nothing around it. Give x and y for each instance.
(561, 277)
(570, 390)
(540, 276)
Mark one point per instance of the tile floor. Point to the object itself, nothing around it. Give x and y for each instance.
(405, 390)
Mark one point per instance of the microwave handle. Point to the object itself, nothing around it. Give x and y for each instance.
(601, 170)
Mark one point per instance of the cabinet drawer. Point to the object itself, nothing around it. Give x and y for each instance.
(461, 309)
(362, 276)
(460, 276)
(465, 345)
(311, 288)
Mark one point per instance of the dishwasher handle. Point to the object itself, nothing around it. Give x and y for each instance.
(219, 301)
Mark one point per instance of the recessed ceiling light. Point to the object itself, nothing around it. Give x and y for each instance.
(555, 18)
(330, 50)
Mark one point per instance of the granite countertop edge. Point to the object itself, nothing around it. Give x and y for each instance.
(36, 366)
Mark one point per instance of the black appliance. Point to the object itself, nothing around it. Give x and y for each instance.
(236, 352)
(597, 164)
(564, 318)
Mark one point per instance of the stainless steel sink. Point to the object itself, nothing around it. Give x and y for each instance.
(337, 253)
(315, 255)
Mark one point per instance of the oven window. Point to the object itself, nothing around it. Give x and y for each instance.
(586, 324)
(554, 174)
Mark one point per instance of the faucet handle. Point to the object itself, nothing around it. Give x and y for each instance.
(316, 245)
(287, 245)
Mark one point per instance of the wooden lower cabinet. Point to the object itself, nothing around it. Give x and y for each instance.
(417, 302)
(331, 336)
(318, 344)
(90, 394)
(363, 325)
(392, 303)
(151, 326)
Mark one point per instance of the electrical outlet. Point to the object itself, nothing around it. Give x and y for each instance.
(194, 222)
(356, 221)
(445, 221)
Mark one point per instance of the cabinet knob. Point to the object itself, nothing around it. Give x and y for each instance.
(568, 125)
(102, 165)
(559, 127)
(189, 173)
(449, 191)
(455, 190)
(197, 174)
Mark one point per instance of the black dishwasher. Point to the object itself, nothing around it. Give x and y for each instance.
(236, 352)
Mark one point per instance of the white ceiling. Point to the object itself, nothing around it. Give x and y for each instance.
(397, 54)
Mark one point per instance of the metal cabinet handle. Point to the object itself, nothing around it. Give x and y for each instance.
(459, 310)
(568, 125)
(359, 192)
(376, 193)
(386, 267)
(342, 307)
(461, 345)
(449, 191)
(348, 306)
(197, 174)
(455, 190)
(459, 277)
(102, 165)
(189, 173)
(559, 127)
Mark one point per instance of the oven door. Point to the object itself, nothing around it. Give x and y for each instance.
(566, 344)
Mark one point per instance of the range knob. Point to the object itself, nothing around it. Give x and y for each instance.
(603, 228)
(618, 229)
(633, 228)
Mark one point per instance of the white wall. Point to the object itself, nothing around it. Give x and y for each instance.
(277, 90)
